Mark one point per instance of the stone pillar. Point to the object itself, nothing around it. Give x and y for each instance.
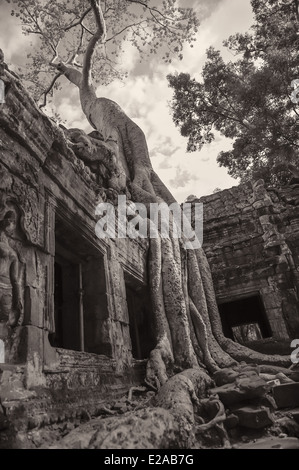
(116, 290)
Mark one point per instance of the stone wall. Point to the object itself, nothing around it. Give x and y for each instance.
(251, 238)
(52, 196)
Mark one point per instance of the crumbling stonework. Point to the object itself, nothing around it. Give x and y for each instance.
(52, 195)
(251, 238)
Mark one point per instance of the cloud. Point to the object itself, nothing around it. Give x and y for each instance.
(12, 40)
(145, 95)
(129, 58)
(165, 164)
(182, 178)
(222, 19)
(203, 8)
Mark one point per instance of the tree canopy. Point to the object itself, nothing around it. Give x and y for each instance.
(251, 99)
(63, 29)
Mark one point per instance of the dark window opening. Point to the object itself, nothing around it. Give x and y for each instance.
(80, 300)
(244, 320)
(66, 305)
(140, 320)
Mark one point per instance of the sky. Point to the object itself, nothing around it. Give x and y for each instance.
(145, 96)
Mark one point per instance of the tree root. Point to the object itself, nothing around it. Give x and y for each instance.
(160, 362)
(135, 389)
(216, 422)
(220, 416)
(201, 335)
(104, 410)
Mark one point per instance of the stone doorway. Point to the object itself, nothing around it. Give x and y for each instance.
(244, 319)
(80, 293)
(141, 322)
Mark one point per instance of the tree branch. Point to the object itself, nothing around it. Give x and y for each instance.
(39, 30)
(79, 21)
(99, 17)
(235, 112)
(224, 112)
(151, 9)
(86, 29)
(100, 35)
(124, 29)
(161, 24)
(48, 90)
(55, 54)
(72, 59)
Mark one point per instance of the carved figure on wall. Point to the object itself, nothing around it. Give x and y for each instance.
(11, 307)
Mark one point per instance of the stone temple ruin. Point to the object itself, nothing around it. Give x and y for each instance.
(251, 239)
(75, 324)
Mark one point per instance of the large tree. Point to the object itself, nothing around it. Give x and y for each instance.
(65, 29)
(251, 99)
(188, 326)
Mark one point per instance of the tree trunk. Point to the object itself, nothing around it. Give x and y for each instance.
(183, 298)
(186, 315)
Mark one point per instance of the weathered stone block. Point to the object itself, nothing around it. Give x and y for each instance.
(50, 355)
(31, 274)
(126, 336)
(117, 341)
(34, 307)
(120, 309)
(254, 417)
(295, 415)
(272, 443)
(231, 421)
(245, 389)
(287, 395)
(229, 375)
(28, 344)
